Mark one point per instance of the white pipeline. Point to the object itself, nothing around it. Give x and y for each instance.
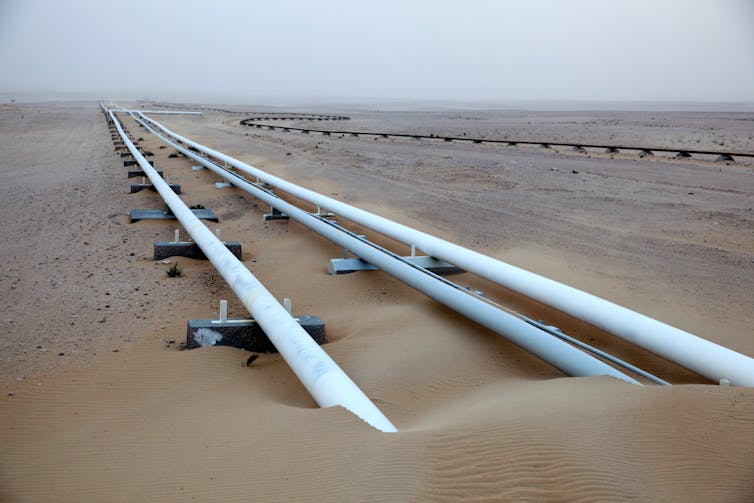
(327, 383)
(554, 351)
(700, 355)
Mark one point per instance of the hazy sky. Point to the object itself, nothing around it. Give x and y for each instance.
(485, 50)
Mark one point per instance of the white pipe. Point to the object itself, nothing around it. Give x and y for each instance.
(700, 355)
(553, 350)
(327, 383)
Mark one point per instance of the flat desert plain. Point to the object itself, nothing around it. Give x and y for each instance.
(99, 404)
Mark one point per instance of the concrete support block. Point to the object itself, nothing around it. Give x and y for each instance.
(189, 249)
(132, 162)
(138, 187)
(203, 213)
(275, 214)
(348, 265)
(244, 333)
(134, 174)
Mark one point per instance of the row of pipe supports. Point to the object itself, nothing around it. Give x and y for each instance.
(553, 350)
(322, 377)
(707, 358)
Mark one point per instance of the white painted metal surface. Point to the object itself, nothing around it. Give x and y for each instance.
(322, 377)
(688, 350)
(553, 350)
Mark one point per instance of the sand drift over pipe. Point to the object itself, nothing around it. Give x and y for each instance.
(554, 351)
(322, 377)
(708, 359)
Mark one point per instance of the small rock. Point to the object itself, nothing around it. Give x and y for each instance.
(61, 354)
(251, 360)
(116, 350)
(574, 172)
(11, 393)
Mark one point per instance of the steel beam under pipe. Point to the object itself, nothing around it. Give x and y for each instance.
(322, 377)
(711, 360)
(554, 351)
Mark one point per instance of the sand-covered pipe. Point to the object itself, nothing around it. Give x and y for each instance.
(554, 351)
(707, 358)
(322, 377)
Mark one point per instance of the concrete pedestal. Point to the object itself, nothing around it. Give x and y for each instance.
(138, 187)
(165, 249)
(244, 333)
(203, 213)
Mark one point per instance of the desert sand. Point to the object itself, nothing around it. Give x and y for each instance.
(97, 403)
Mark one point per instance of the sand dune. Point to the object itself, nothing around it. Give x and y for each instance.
(156, 424)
